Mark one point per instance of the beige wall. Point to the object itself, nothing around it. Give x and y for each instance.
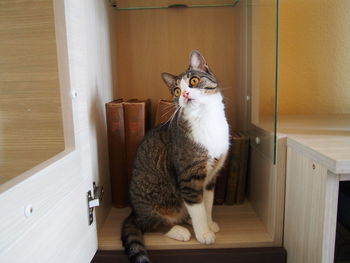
(314, 57)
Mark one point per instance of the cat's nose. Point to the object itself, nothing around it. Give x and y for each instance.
(185, 94)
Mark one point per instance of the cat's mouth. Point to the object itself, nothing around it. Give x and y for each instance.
(188, 100)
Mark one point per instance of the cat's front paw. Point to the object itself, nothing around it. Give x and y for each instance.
(214, 227)
(206, 237)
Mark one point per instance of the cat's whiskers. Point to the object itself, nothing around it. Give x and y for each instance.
(171, 117)
(177, 121)
(169, 109)
(174, 115)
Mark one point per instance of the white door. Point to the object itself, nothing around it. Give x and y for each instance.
(43, 211)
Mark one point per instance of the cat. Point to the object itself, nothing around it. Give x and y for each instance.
(175, 168)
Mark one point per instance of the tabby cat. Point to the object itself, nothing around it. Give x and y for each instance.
(176, 165)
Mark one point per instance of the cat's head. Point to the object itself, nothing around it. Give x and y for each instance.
(195, 86)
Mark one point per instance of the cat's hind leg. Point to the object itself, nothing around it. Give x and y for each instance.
(167, 222)
(178, 232)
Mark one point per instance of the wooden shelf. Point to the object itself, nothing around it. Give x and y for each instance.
(240, 227)
(161, 4)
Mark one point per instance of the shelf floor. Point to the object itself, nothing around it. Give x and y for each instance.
(239, 227)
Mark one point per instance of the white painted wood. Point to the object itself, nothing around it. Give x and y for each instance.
(266, 188)
(310, 210)
(58, 229)
(326, 138)
(345, 177)
(332, 150)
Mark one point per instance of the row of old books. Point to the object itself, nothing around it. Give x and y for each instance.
(128, 122)
(230, 186)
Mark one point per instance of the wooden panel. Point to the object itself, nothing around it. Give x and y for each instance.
(30, 110)
(240, 227)
(150, 3)
(310, 211)
(96, 76)
(324, 137)
(266, 186)
(156, 41)
(58, 229)
(345, 177)
(332, 151)
(239, 255)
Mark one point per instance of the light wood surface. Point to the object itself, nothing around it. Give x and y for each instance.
(345, 177)
(324, 137)
(30, 109)
(150, 42)
(266, 188)
(240, 227)
(310, 211)
(58, 229)
(333, 151)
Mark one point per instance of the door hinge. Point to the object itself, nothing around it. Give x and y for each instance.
(94, 201)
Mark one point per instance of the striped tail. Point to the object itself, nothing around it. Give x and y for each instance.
(132, 239)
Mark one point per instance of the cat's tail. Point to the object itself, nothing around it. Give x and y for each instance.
(132, 238)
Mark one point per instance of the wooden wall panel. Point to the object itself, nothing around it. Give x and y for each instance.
(150, 42)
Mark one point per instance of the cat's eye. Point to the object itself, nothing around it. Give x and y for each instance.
(194, 81)
(177, 92)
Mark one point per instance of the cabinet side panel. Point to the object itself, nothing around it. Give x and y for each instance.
(266, 188)
(311, 194)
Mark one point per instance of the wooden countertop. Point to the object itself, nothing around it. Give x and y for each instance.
(326, 138)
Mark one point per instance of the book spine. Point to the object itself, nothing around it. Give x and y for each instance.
(221, 184)
(135, 127)
(116, 150)
(243, 165)
(232, 178)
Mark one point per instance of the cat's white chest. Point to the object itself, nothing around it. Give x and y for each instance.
(210, 129)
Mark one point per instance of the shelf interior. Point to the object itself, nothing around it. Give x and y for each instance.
(240, 227)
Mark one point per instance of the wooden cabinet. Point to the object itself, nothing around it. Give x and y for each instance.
(316, 164)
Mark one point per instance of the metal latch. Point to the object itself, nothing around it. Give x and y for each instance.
(94, 201)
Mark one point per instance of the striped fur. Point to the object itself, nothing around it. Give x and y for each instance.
(175, 168)
(133, 241)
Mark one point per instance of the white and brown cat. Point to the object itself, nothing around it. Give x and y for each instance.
(176, 165)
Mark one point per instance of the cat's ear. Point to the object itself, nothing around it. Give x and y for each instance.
(169, 80)
(197, 62)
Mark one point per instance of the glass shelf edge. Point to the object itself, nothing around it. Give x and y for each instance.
(235, 2)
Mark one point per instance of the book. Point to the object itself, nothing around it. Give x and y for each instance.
(243, 167)
(165, 110)
(220, 186)
(135, 122)
(232, 175)
(116, 151)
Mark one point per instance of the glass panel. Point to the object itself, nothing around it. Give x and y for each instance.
(262, 42)
(124, 5)
(30, 108)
